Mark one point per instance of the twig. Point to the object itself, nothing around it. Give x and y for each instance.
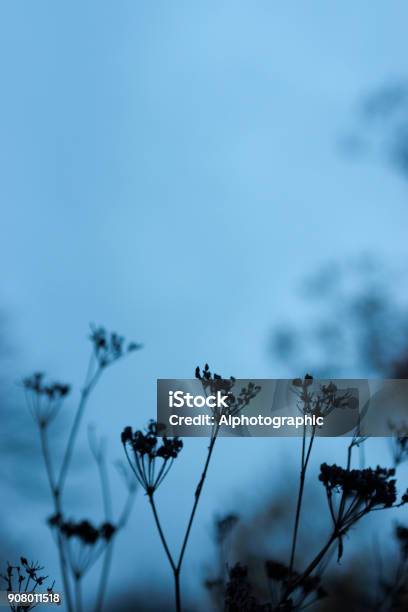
(303, 469)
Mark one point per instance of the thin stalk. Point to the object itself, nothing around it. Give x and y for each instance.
(74, 429)
(47, 458)
(197, 499)
(176, 567)
(78, 594)
(107, 560)
(103, 581)
(312, 565)
(161, 534)
(177, 589)
(107, 505)
(64, 573)
(304, 463)
(57, 510)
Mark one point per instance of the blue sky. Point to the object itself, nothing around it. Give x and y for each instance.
(172, 170)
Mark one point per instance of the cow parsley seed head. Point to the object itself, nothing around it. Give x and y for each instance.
(109, 346)
(44, 399)
(369, 488)
(149, 455)
(324, 400)
(216, 383)
(83, 541)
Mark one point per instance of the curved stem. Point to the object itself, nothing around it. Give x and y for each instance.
(303, 469)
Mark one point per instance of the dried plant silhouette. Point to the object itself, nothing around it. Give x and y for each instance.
(151, 460)
(295, 582)
(80, 543)
(351, 495)
(23, 580)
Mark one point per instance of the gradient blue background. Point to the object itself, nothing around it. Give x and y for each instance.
(172, 170)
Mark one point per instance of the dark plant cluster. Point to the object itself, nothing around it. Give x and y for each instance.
(239, 595)
(215, 382)
(223, 528)
(323, 401)
(44, 399)
(364, 489)
(399, 443)
(108, 347)
(401, 534)
(151, 455)
(359, 492)
(212, 381)
(394, 585)
(307, 591)
(84, 541)
(149, 458)
(80, 544)
(24, 578)
(351, 494)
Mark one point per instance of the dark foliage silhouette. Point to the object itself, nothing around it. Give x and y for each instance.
(143, 450)
(79, 543)
(351, 495)
(294, 582)
(25, 578)
(357, 324)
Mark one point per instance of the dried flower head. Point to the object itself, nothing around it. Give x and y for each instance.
(26, 578)
(109, 346)
(149, 456)
(323, 401)
(236, 402)
(83, 541)
(214, 382)
(44, 399)
(368, 488)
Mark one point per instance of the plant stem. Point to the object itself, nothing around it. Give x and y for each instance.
(176, 568)
(177, 589)
(103, 581)
(57, 509)
(107, 505)
(197, 499)
(78, 594)
(47, 458)
(312, 565)
(161, 534)
(303, 469)
(74, 429)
